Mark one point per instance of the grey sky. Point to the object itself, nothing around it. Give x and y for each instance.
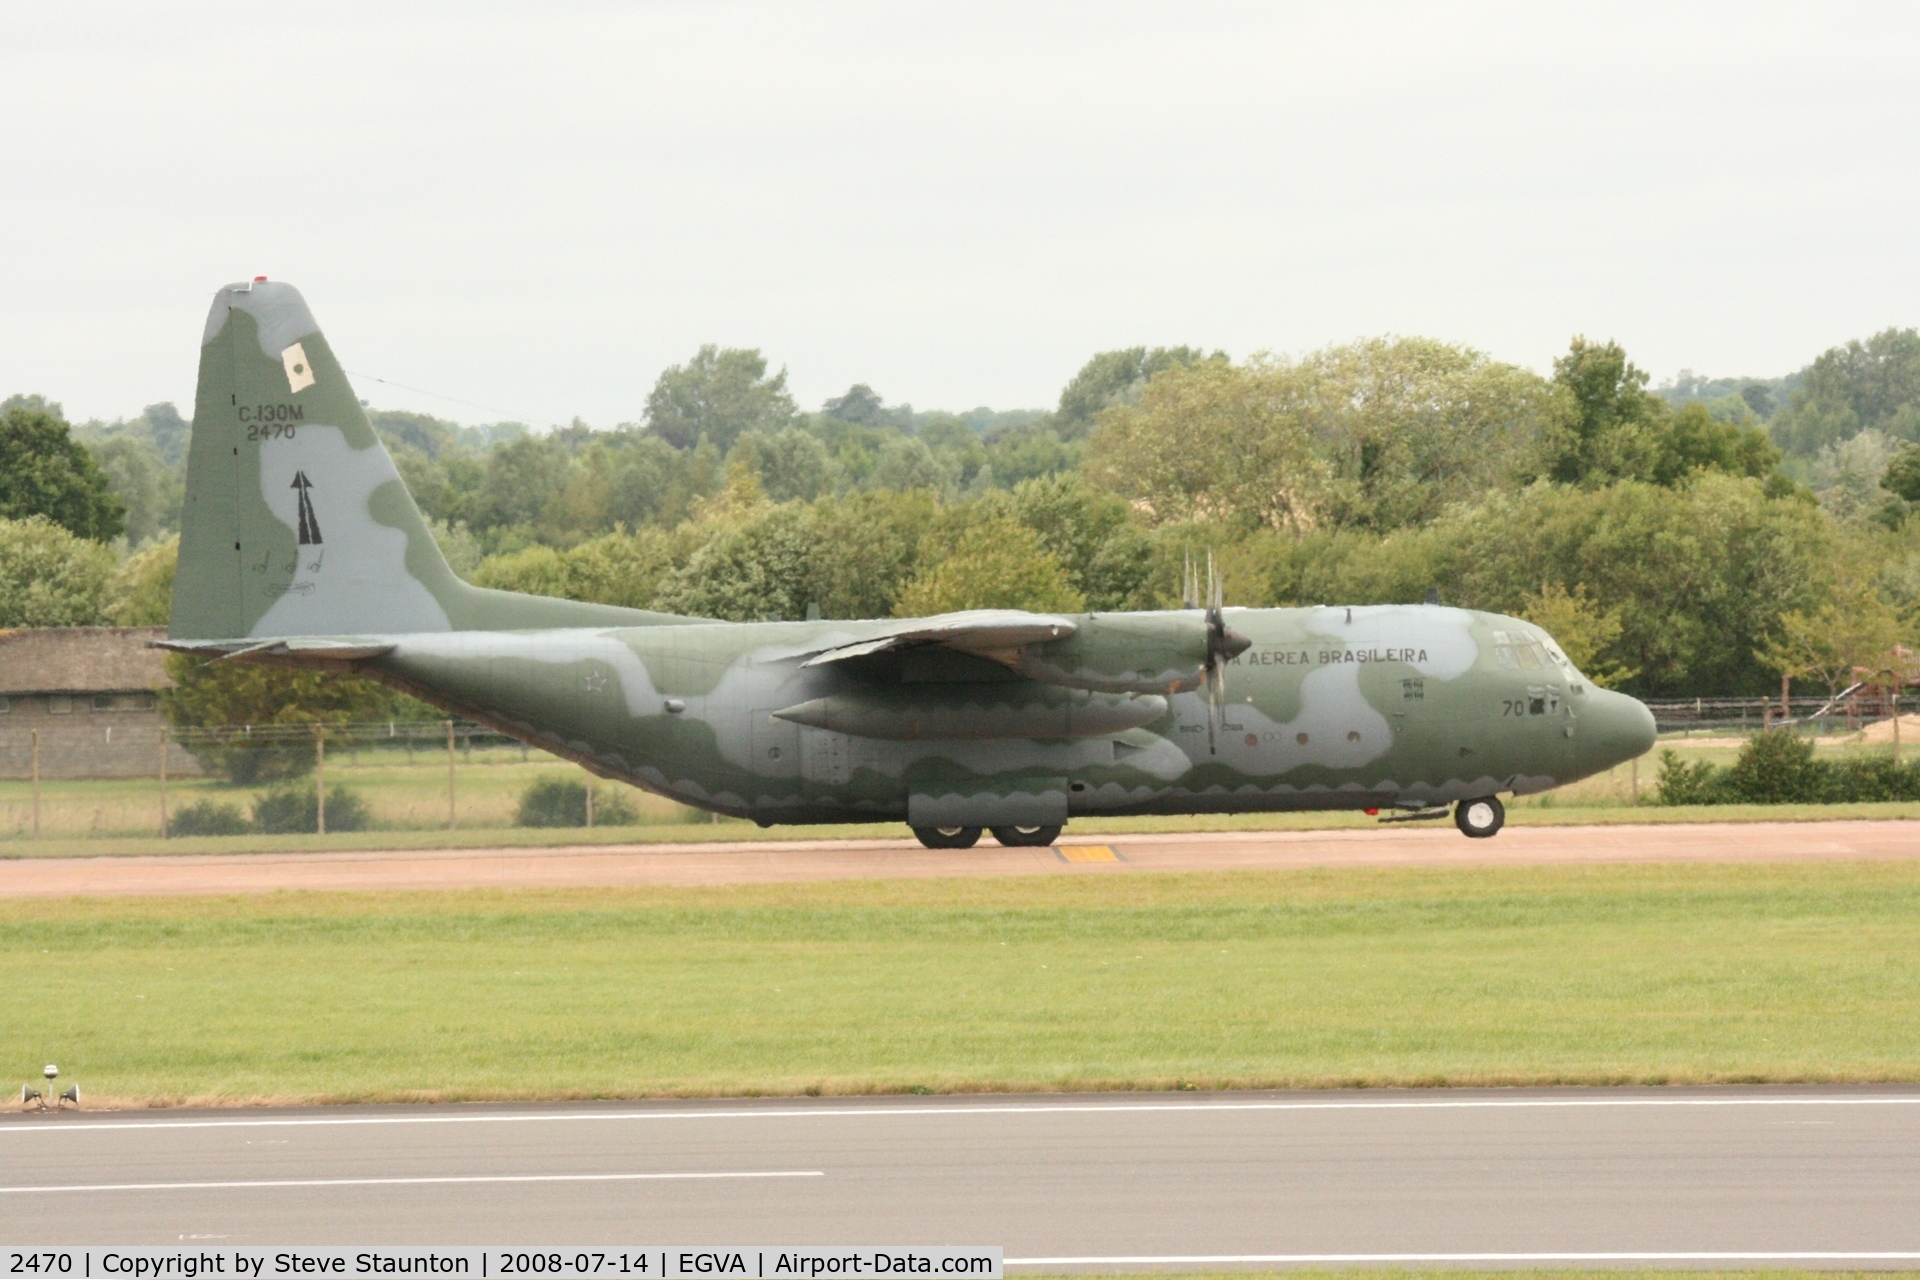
(539, 206)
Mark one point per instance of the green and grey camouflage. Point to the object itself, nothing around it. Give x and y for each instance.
(301, 547)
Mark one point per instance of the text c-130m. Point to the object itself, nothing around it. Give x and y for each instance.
(300, 546)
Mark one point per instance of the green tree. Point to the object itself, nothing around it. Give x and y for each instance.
(1699, 576)
(228, 696)
(1584, 629)
(866, 548)
(1106, 554)
(720, 394)
(792, 464)
(1618, 430)
(149, 490)
(1691, 440)
(51, 578)
(45, 472)
(1214, 441)
(618, 568)
(142, 589)
(1410, 425)
(861, 404)
(997, 564)
(1859, 386)
(1850, 632)
(1902, 476)
(1116, 378)
(905, 462)
(750, 570)
(1609, 433)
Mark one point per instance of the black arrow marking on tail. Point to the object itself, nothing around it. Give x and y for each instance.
(309, 524)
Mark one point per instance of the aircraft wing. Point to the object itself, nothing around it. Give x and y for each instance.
(986, 633)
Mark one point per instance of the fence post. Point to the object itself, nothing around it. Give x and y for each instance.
(163, 782)
(320, 780)
(589, 802)
(36, 784)
(450, 760)
(1636, 782)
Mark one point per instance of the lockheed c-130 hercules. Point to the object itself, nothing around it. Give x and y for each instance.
(301, 547)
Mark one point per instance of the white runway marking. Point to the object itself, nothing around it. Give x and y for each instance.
(870, 1113)
(1151, 1259)
(411, 1182)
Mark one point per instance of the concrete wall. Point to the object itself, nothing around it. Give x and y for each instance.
(119, 740)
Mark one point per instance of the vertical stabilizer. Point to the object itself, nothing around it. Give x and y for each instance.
(296, 521)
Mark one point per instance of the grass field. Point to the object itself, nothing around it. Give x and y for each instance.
(1352, 977)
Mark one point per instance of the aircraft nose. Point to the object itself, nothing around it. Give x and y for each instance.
(1614, 728)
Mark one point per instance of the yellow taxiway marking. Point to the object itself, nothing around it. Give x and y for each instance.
(1086, 853)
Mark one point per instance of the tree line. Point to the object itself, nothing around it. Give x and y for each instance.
(1698, 538)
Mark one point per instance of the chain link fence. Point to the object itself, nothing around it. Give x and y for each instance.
(138, 776)
(108, 775)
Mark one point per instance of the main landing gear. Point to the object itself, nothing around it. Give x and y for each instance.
(967, 837)
(1026, 836)
(1480, 818)
(948, 837)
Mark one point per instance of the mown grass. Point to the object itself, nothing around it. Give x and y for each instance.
(1350, 977)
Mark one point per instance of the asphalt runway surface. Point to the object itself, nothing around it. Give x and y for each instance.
(748, 862)
(1820, 1176)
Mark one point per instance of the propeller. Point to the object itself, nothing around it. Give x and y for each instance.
(1224, 644)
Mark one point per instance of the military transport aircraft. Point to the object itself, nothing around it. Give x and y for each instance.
(301, 547)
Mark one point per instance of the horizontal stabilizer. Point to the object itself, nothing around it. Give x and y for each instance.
(284, 651)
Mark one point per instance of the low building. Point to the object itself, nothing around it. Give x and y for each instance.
(92, 696)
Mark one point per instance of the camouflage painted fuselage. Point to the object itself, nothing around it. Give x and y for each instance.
(1328, 708)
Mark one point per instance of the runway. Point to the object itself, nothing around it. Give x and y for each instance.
(1808, 1175)
(786, 861)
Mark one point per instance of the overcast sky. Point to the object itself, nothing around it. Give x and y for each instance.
(536, 207)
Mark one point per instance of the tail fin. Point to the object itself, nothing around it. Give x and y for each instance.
(296, 520)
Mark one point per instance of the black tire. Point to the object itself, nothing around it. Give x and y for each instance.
(948, 837)
(1026, 837)
(1479, 819)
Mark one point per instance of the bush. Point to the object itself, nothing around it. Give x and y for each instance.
(562, 802)
(1683, 783)
(208, 818)
(296, 811)
(1778, 767)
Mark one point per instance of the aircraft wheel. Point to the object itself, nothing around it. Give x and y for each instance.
(948, 837)
(1480, 818)
(1018, 837)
